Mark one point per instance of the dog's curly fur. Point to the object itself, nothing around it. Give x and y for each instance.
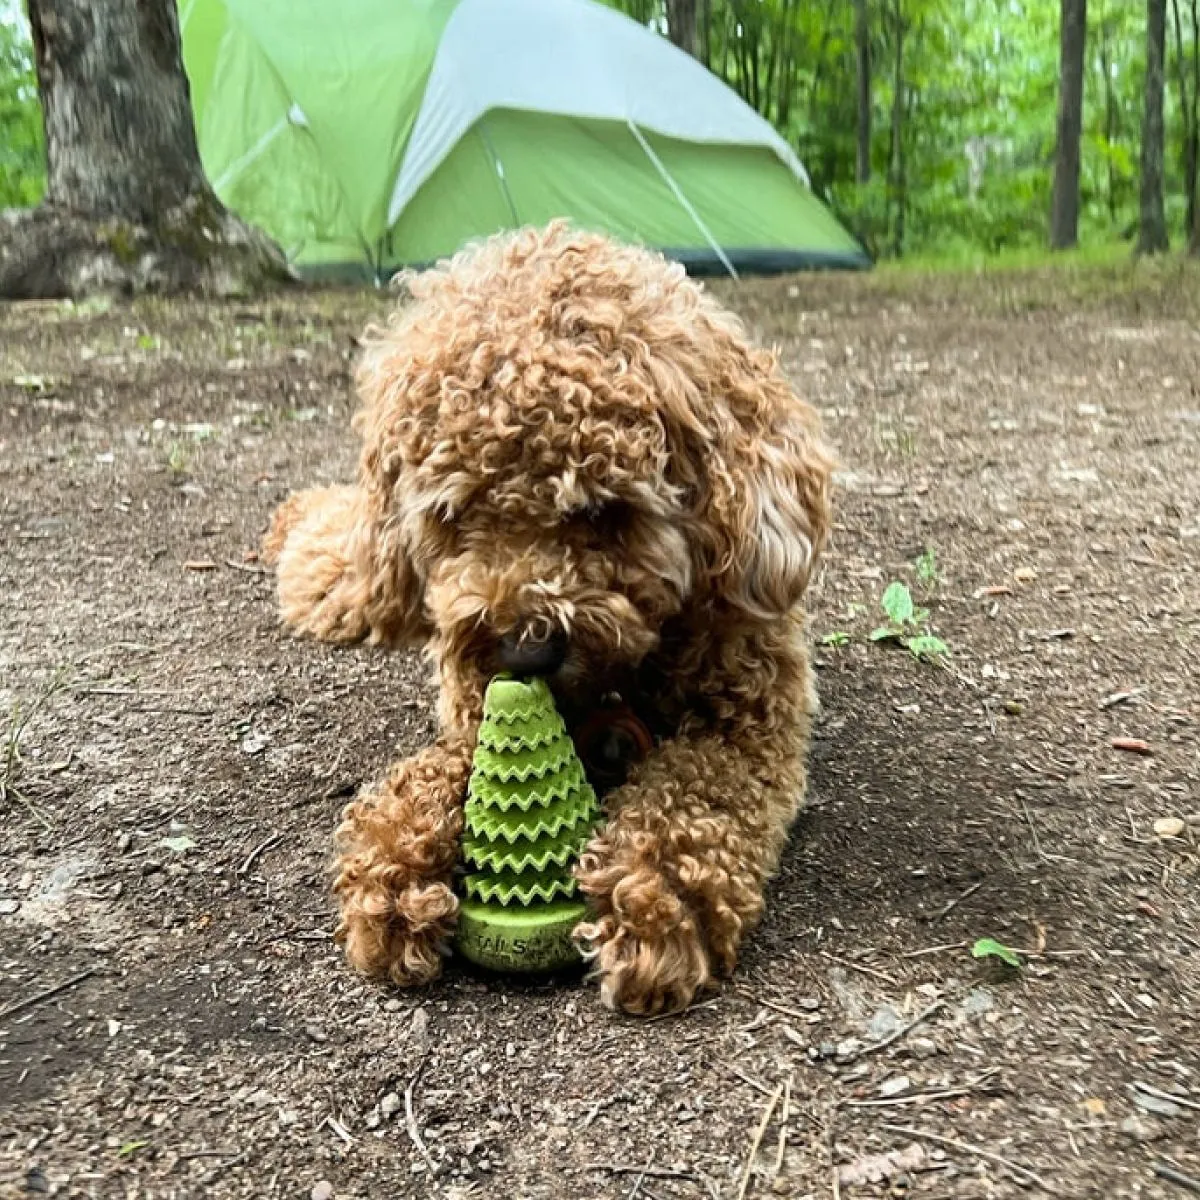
(564, 433)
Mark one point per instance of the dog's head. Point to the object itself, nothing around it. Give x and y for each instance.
(570, 445)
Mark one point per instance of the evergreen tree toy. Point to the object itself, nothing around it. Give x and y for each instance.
(530, 810)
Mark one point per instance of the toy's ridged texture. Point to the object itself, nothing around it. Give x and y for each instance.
(530, 811)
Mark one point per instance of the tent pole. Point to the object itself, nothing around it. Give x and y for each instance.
(677, 192)
(498, 167)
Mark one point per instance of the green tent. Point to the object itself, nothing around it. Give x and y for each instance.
(367, 135)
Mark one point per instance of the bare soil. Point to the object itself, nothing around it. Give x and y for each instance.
(173, 764)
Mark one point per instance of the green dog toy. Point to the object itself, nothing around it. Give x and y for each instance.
(530, 810)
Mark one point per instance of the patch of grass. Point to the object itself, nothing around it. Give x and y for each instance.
(908, 625)
(178, 458)
(927, 568)
(839, 637)
(10, 748)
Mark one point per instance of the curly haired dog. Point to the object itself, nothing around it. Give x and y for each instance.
(575, 465)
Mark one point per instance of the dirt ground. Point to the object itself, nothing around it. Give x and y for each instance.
(1023, 451)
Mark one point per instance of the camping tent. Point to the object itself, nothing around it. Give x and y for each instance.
(366, 135)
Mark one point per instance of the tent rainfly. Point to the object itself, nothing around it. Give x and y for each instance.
(369, 135)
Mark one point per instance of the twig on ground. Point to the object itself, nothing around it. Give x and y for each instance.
(340, 1130)
(248, 568)
(915, 1097)
(936, 949)
(779, 1008)
(631, 1169)
(410, 1116)
(903, 1031)
(1165, 1171)
(953, 904)
(47, 994)
(759, 1133)
(978, 1151)
(749, 1080)
(1182, 1101)
(785, 1115)
(258, 851)
(857, 966)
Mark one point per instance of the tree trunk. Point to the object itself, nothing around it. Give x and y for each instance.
(862, 38)
(1194, 231)
(682, 26)
(127, 206)
(1152, 221)
(899, 183)
(1064, 209)
(1187, 109)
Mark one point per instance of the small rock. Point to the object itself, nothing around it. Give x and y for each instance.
(1170, 827)
(510, 1050)
(124, 841)
(316, 1034)
(420, 1024)
(321, 1191)
(8, 907)
(923, 1047)
(1139, 1130)
(392, 1006)
(808, 1003)
(1158, 1105)
(896, 1086)
(827, 1049)
(389, 1106)
(114, 1027)
(847, 1049)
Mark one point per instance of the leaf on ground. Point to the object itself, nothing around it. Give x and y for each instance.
(897, 602)
(875, 1168)
(927, 646)
(885, 633)
(990, 948)
(131, 1148)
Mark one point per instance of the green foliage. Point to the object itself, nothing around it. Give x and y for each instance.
(906, 624)
(22, 162)
(989, 948)
(927, 568)
(978, 82)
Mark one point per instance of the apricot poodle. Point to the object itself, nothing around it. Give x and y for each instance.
(576, 465)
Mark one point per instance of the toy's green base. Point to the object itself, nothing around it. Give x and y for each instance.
(525, 939)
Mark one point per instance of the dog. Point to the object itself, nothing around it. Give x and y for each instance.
(575, 464)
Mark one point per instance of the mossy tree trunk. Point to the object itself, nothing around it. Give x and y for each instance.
(127, 205)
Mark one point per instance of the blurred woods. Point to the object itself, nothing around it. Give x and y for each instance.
(931, 126)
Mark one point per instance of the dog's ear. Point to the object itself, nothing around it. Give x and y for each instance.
(766, 486)
(342, 574)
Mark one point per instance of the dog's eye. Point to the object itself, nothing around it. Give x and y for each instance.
(606, 520)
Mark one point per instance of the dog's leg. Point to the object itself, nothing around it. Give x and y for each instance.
(676, 877)
(398, 848)
(340, 578)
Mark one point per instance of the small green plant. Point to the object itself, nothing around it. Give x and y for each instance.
(148, 341)
(989, 948)
(177, 458)
(927, 568)
(839, 637)
(908, 625)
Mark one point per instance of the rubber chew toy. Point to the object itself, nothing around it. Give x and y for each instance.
(530, 810)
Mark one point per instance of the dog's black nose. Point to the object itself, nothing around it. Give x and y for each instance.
(524, 653)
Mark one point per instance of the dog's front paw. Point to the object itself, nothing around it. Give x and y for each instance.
(400, 934)
(648, 951)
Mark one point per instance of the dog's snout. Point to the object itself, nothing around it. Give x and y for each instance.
(529, 652)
